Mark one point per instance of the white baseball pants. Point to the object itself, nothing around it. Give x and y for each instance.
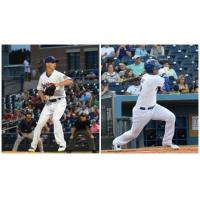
(56, 110)
(141, 117)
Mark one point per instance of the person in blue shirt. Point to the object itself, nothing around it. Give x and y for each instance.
(138, 66)
(123, 51)
(141, 51)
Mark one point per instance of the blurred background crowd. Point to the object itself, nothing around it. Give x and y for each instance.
(122, 67)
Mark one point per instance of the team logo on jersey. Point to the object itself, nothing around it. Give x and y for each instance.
(46, 84)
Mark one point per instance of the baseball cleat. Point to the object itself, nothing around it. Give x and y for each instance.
(117, 147)
(173, 146)
(31, 149)
(61, 148)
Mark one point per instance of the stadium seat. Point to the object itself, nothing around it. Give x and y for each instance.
(148, 48)
(117, 87)
(175, 66)
(167, 48)
(186, 61)
(173, 51)
(192, 49)
(195, 57)
(184, 48)
(180, 57)
(161, 58)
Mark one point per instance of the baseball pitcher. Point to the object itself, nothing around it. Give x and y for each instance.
(51, 90)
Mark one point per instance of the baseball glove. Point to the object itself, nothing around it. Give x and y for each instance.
(49, 91)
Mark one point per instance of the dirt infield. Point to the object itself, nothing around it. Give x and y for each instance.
(183, 149)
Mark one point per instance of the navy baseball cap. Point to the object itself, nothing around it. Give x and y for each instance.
(50, 59)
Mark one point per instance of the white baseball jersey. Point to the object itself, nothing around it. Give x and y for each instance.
(149, 87)
(55, 77)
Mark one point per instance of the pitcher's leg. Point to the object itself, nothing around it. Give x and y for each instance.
(45, 114)
(40, 142)
(40, 145)
(163, 114)
(58, 129)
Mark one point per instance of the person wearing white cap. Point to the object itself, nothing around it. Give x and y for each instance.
(138, 66)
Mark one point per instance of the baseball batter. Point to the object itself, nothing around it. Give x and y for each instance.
(147, 109)
(55, 102)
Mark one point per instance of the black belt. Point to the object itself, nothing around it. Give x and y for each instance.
(149, 108)
(54, 100)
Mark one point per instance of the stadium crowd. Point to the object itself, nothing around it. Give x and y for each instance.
(122, 67)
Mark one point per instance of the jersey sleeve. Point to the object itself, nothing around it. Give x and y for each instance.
(160, 81)
(39, 86)
(64, 77)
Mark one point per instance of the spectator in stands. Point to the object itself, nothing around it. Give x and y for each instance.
(195, 88)
(85, 98)
(135, 88)
(175, 90)
(183, 86)
(141, 51)
(19, 115)
(9, 116)
(166, 86)
(122, 68)
(138, 66)
(94, 100)
(157, 50)
(107, 52)
(111, 76)
(18, 103)
(105, 89)
(94, 113)
(168, 70)
(104, 67)
(123, 51)
(94, 126)
(128, 75)
(91, 76)
(27, 70)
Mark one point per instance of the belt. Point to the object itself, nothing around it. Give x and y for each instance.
(54, 100)
(149, 108)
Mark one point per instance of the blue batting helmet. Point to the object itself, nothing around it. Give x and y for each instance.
(151, 64)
